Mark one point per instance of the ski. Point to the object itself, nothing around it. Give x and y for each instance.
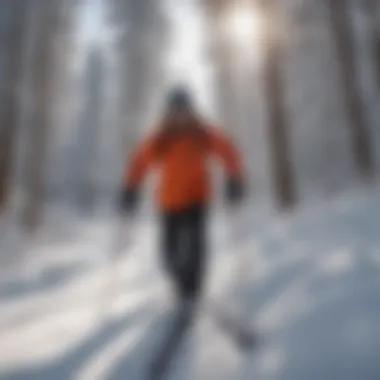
(160, 365)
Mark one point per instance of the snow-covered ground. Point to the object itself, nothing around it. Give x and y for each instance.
(310, 283)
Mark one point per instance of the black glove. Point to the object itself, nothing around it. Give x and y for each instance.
(128, 201)
(234, 191)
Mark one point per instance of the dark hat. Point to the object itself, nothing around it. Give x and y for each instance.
(179, 98)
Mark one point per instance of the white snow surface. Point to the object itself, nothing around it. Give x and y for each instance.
(308, 284)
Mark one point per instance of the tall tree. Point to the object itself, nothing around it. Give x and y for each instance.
(10, 93)
(89, 140)
(372, 9)
(355, 107)
(278, 119)
(47, 12)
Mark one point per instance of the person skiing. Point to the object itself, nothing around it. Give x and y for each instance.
(180, 148)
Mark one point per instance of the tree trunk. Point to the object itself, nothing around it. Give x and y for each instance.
(10, 94)
(47, 23)
(372, 10)
(355, 107)
(278, 119)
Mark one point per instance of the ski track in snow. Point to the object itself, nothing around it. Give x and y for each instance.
(312, 285)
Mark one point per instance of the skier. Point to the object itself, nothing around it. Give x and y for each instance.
(179, 148)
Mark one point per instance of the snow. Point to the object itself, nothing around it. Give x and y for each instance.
(309, 284)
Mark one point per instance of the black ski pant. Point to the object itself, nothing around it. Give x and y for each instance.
(183, 248)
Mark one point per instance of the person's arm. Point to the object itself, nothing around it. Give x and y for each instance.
(141, 161)
(224, 148)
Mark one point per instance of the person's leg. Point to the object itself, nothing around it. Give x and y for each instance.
(193, 277)
(171, 230)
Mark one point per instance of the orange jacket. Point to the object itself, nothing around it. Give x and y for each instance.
(181, 157)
